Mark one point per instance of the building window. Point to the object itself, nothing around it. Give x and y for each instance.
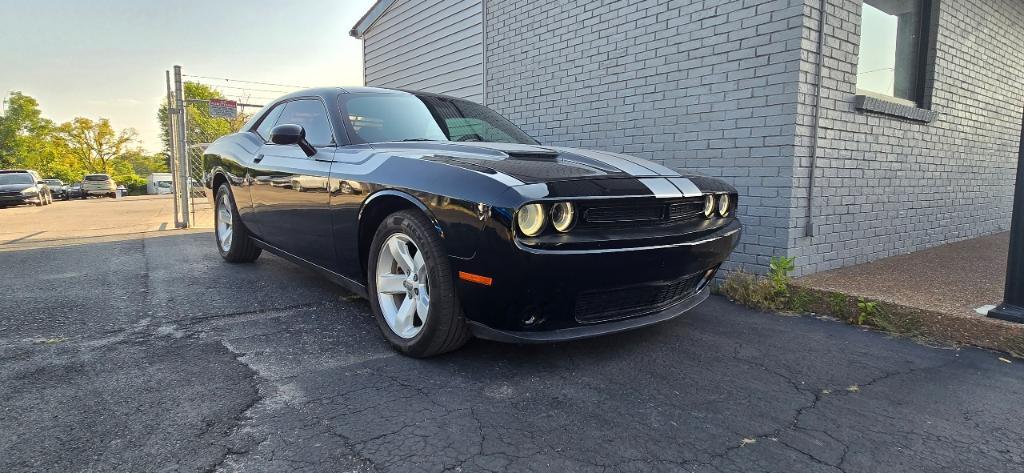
(893, 47)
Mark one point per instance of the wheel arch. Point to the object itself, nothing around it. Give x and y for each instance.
(377, 207)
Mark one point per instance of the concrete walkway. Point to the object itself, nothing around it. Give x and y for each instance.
(952, 279)
(940, 294)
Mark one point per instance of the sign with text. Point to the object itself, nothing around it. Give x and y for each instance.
(223, 108)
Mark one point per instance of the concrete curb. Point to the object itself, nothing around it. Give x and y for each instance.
(918, 323)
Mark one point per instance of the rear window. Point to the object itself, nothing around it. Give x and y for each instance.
(16, 178)
(97, 177)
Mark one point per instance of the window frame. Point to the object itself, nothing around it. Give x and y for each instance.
(923, 63)
(327, 115)
(283, 103)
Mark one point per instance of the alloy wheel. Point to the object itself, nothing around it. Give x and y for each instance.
(402, 287)
(225, 223)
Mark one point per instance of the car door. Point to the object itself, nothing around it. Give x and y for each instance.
(289, 189)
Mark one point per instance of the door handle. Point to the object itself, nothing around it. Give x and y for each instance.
(258, 158)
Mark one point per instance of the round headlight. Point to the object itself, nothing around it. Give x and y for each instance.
(709, 205)
(530, 218)
(723, 205)
(562, 215)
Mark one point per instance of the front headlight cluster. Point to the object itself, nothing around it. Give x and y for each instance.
(717, 203)
(533, 218)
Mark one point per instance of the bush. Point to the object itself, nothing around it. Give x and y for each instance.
(135, 184)
(765, 293)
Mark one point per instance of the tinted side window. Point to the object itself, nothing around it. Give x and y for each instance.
(268, 123)
(312, 116)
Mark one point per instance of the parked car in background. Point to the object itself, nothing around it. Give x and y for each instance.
(57, 188)
(23, 187)
(99, 185)
(75, 191)
(122, 190)
(462, 224)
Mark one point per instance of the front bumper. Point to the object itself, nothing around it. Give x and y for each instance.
(587, 331)
(18, 199)
(541, 296)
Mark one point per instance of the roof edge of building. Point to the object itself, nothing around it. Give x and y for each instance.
(369, 18)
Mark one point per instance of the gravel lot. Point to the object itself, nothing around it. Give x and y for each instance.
(136, 351)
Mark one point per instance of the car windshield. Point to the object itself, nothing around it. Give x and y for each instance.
(400, 117)
(97, 177)
(53, 182)
(16, 178)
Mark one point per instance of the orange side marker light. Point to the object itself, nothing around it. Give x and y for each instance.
(486, 281)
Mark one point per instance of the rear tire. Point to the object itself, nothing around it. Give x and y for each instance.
(419, 272)
(233, 240)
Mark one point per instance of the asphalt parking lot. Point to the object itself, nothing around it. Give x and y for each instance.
(143, 351)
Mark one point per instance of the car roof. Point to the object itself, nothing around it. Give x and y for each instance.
(333, 91)
(15, 171)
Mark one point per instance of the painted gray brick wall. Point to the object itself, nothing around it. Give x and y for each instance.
(707, 85)
(886, 185)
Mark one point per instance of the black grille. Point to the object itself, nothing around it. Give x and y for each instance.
(9, 194)
(624, 213)
(685, 209)
(688, 209)
(635, 300)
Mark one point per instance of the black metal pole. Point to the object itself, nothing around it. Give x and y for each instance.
(1012, 308)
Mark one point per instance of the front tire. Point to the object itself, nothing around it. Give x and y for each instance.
(233, 239)
(411, 289)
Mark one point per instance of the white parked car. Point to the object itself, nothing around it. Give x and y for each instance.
(99, 184)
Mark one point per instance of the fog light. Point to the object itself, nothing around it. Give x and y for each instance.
(723, 205)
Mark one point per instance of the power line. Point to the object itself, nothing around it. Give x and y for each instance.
(247, 81)
(245, 88)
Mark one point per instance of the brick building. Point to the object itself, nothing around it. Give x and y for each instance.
(902, 135)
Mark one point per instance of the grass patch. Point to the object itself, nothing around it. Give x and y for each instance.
(775, 292)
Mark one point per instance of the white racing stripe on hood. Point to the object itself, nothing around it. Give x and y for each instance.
(661, 188)
(686, 186)
(653, 166)
(626, 166)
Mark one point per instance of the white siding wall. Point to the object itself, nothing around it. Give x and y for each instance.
(430, 45)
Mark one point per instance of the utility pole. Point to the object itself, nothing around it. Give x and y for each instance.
(1012, 308)
(172, 137)
(182, 145)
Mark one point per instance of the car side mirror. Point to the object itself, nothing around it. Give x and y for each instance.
(289, 134)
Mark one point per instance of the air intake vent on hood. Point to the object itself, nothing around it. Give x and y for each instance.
(545, 155)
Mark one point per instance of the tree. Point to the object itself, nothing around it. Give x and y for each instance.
(145, 164)
(202, 128)
(95, 144)
(23, 131)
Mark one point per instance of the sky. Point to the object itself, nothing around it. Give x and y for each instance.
(106, 58)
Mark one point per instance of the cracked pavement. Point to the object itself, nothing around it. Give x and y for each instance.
(152, 354)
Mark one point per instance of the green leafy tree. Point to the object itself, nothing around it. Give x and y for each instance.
(145, 164)
(95, 144)
(23, 131)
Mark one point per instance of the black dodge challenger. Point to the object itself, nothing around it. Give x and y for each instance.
(453, 222)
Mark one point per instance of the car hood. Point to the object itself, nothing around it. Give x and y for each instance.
(531, 164)
(14, 187)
